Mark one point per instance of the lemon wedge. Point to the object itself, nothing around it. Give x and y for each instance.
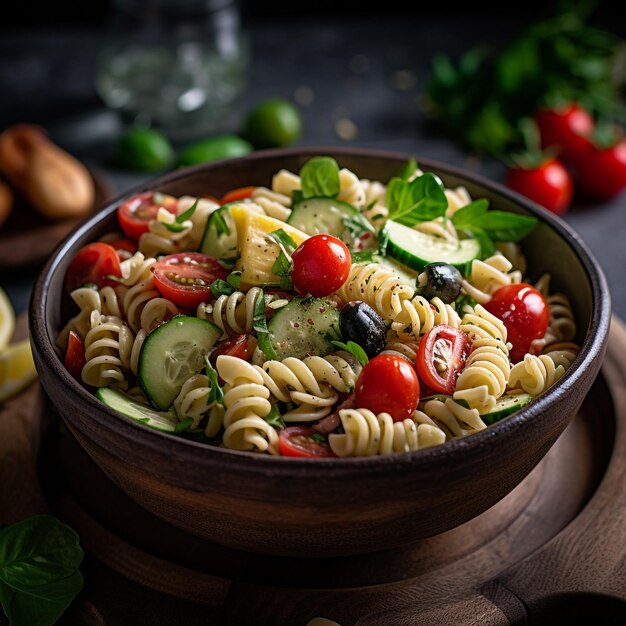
(7, 320)
(17, 369)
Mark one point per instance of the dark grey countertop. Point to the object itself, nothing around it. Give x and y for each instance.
(46, 77)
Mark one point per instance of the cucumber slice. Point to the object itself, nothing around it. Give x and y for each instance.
(121, 403)
(416, 249)
(329, 216)
(505, 405)
(173, 353)
(406, 274)
(304, 327)
(220, 235)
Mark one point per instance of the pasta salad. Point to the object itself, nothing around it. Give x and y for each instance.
(325, 315)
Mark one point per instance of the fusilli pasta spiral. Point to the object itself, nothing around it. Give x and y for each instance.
(418, 316)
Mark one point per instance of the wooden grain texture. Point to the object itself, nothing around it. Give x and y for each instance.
(304, 507)
(28, 238)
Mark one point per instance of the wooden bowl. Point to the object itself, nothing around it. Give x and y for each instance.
(304, 507)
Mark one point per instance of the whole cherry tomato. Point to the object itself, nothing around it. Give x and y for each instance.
(568, 128)
(135, 214)
(550, 184)
(94, 264)
(388, 384)
(303, 442)
(602, 173)
(525, 313)
(321, 264)
(185, 278)
(441, 356)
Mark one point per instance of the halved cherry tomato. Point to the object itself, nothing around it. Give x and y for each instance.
(441, 356)
(185, 278)
(321, 264)
(568, 127)
(75, 355)
(135, 214)
(240, 346)
(525, 313)
(94, 263)
(234, 195)
(303, 442)
(388, 384)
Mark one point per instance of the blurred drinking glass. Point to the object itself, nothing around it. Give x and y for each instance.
(174, 64)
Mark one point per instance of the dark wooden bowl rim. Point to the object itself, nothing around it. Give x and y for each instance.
(248, 462)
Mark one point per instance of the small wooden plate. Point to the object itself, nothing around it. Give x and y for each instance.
(28, 238)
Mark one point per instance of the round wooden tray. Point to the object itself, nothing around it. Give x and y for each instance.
(551, 552)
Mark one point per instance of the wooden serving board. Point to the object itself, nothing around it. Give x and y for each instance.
(551, 552)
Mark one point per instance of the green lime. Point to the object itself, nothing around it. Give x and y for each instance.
(214, 148)
(272, 123)
(144, 150)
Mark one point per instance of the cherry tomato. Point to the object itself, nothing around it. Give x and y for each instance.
(185, 278)
(602, 174)
(550, 184)
(93, 264)
(568, 127)
(388, 384)
(125, 247)
(525, 314)
(303, 442)
(321, 264)
(234, 195)
(240, 346)
(441, 356)
(135, 214)
(75, 355)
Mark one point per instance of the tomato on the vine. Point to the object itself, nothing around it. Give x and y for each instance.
(321, 264)
(388, 384)
(602, 173)
(441, 356)
(568, 127)
(75, 355)
(94, 264)
(549, 184)
(185, 278)
(303, 442)
(135, 214)
(525, 313)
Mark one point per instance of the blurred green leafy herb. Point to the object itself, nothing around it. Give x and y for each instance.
(39, 570)
(482, 97)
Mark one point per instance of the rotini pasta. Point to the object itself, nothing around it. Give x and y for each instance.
(418, 316)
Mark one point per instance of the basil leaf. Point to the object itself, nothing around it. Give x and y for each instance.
(320, 177)
(500, 225)
(188, 213)
(174, 227)
(358, 226)
(296, 196)
(183, 425)
(219, 223)
(319, 438)
(274, 418)
(234, 279)
(408, 169)
(420, 200)
(364, 256)
(354, 349)
(259, 324)
(220, 287)
(487, 247)
(284, 240)
(217, 393)
(471, 214)
(283, 266)
(39, 575)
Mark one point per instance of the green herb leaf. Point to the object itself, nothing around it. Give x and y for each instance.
(487, 247)
(420, 200)
(174, 227)
(259, 324)
(354, 349)
(499, 225)
(39, 575)
(408, 169)
(220, 287)
(296, 196)
(319, 438)
(234, 279)
(188, 213)
(364, 256)
(219, 223)
(183, 425)
(358, 226)
(274, 418)
(320, 178)
(284, 240)
(217, 393)
(282, 267)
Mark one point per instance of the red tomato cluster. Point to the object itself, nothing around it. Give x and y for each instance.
(598, 172)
